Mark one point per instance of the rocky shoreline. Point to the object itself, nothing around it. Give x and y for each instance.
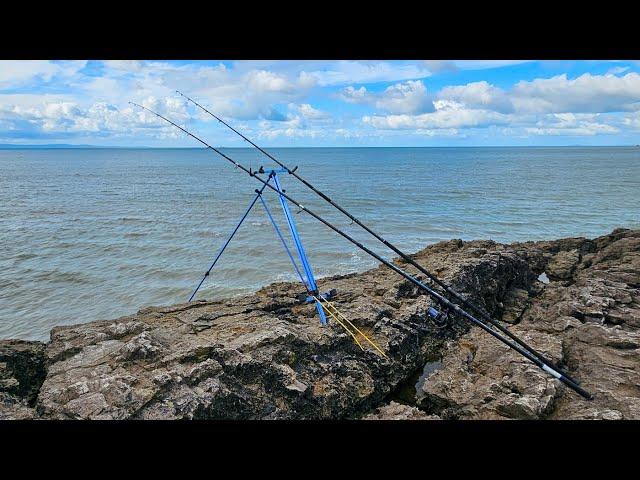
(265, 356)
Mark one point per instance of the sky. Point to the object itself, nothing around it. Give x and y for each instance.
(323, 103)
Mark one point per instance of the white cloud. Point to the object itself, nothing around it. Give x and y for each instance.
(26, 115)
(409, 97)
(400, 98)
(13, 72)
(17, 73)
(293, 127)
(345, 71)
(447, 114)
(352, 95)
(584, 130)
(587, 93)
(478, 95)
(308, 112)
(632, 121)
(571, 124)
(265, 81)
(487, 64)
(559, 94)
(277, 99)
(243, 93)
(617, 70)
(441, 66)
(354, 72)
(440, 132)
(552, 106)
(124, 65)
(302, 121)
(251, 95)
(445, 66)
(98, 104)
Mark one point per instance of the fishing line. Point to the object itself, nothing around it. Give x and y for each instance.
(435, 295)
(224, 246)
(335, 313)
(466, 302)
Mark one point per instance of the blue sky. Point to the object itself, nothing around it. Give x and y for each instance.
(324, 103)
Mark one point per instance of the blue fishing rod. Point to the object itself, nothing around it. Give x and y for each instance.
(442, 301)
(440, 316)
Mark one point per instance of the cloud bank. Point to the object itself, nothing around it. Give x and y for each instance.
(344, 102)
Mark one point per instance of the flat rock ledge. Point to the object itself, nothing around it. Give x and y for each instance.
(265, 356)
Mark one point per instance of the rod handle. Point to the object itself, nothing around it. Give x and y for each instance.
(567, 381)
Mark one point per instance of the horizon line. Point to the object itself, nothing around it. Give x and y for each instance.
(62, 146)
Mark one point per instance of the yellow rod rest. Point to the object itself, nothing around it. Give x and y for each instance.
(336, 311)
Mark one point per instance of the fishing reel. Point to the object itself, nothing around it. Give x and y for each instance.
(306, 298)
(439, 317)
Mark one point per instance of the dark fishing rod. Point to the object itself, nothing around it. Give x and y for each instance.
(467, 303)
(444, 302)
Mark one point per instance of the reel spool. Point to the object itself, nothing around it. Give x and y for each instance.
(439, 318)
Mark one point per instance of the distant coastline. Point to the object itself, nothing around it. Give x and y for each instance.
(49, 146)
(69, 146)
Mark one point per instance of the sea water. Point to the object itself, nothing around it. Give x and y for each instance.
(89, 234)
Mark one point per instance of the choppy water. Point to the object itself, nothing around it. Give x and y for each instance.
(92, 234)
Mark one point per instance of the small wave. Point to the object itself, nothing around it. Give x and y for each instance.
(158, 274)
(143, 236)
(46, 212)
(134, 219)
(207, 234)
(76, 278)
(25, 256)
(6, 283)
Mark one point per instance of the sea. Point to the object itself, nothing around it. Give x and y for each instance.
(91, 233)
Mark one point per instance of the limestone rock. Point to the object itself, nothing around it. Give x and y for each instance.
(589, 326)
(398, 411)
(562, 265)
(514, 305)
(265, 356)
(22, 371)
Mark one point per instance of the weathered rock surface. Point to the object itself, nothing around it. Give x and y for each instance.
(22, 372)
(587, 320)
(265, 356)
(398, 411)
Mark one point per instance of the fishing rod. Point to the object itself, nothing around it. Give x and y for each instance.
(467, 303)
(435, 295)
